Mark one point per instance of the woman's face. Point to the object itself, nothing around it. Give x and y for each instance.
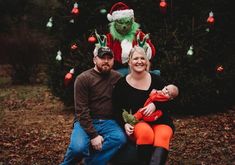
(138, 62)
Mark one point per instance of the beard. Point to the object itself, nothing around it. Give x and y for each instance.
(104, 69)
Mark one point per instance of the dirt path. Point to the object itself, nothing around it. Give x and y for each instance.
(34, 129)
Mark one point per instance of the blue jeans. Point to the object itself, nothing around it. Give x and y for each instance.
(79, 147)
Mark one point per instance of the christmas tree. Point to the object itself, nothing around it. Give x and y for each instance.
(193, 42)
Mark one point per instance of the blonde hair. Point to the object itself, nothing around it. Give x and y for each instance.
(141, 51)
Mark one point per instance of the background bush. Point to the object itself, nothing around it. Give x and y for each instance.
(202, 87)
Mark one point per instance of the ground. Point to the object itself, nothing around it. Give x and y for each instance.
(35, 128)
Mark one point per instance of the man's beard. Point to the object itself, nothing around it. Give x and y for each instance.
(104, 69)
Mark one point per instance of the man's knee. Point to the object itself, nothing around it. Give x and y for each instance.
(79, 149)
(120, 138)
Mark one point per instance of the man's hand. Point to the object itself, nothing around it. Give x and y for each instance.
(97, 142)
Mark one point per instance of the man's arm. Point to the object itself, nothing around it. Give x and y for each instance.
(81, 101)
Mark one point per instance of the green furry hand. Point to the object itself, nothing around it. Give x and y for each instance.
(129, 118)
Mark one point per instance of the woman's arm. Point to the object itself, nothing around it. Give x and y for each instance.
(119, 101)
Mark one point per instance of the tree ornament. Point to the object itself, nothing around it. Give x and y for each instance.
(211, 19)
(103, 11)
(92, 39)
(75, 9)
(207, 30)
(68, 77)
(74, 46)
(59, 57)
(190, 51)
(163, 6)
(50, 23)
(71, 21)
(219, 69)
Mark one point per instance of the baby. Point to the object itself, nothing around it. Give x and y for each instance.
(169, 92)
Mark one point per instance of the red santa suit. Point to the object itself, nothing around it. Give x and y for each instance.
(121, 49)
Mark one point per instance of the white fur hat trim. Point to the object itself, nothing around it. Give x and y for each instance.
(129, 13)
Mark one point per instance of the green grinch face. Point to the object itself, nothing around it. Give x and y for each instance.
(123, 26)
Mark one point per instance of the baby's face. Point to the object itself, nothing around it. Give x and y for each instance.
(170, 91)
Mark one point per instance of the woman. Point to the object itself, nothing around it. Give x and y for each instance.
(130, 93)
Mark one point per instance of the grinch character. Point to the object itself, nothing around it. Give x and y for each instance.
(124, 34)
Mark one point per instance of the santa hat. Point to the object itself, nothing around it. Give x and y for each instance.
(120, 10)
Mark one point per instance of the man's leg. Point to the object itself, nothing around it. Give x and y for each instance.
(78, 147)
(114, 139)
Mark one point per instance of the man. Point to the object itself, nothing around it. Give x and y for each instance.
(96, 137)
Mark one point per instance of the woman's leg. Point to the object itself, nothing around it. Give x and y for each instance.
(162, 137)
(143, 133)
(144, 136)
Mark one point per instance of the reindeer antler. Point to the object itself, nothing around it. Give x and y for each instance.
(142, 42)
(101, 42)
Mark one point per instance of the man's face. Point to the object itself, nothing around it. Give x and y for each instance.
(104, 64)
(123, 26)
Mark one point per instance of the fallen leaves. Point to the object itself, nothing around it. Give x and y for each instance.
(203, 139)
(35, 129)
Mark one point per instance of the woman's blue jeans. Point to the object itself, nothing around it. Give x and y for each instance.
(79, 147)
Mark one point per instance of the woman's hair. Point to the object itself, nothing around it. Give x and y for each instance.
(140, 50)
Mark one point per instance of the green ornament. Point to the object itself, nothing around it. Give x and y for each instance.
(103, 11)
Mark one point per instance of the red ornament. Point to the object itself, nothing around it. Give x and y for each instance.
(74, 46)
(163, 6)
(69, 76)
(220, 69)
(67, 79)
(75, 9)
(92, 39)
(211, 19)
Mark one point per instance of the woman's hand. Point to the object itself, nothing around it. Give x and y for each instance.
(148, 109)
(129, 129)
